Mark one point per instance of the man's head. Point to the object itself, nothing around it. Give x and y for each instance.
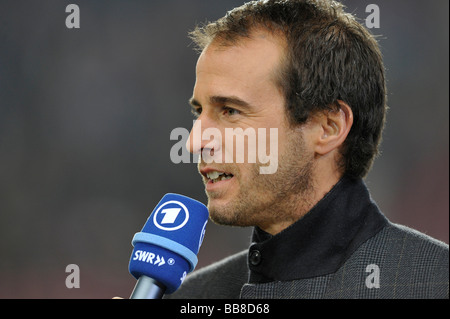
(329, 57)
(304, 68)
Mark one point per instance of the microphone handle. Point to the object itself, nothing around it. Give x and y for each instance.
(148, 288)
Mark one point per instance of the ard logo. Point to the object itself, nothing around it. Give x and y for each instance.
(171, 215)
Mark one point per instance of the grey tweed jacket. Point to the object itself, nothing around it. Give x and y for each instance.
(390, 261)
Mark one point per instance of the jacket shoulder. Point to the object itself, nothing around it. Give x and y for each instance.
(221, 280)
(408, 264)
(415, 248)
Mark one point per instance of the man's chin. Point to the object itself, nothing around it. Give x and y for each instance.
(221, 216)
(227, 216)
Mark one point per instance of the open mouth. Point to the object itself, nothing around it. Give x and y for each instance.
(215, 176)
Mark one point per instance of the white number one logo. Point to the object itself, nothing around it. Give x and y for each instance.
(170, 214)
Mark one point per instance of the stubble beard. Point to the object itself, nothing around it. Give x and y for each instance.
(264, 199)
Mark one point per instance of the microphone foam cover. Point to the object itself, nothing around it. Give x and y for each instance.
(166, 249)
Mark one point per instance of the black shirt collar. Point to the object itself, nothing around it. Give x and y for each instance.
(321, 241)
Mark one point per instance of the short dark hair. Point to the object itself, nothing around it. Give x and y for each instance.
(330, 57)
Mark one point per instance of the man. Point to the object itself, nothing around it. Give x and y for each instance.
(309, 70)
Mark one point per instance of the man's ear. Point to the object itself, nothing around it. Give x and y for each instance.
(333, 129)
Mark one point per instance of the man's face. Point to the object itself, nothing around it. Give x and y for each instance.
(235, 88)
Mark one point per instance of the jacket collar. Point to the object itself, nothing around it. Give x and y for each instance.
(321, 241)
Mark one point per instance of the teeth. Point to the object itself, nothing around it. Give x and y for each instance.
(213, 175)
(217, 176)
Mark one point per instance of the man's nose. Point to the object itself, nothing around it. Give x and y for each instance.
(204, 138)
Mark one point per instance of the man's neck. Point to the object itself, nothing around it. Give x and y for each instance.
(298, 205)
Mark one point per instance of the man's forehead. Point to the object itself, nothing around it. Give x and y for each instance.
(226, 41)
(259, 54)
(247, 70)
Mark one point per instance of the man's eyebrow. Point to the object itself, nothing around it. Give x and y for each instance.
(194, 102)
(225, 100)
(221, 100)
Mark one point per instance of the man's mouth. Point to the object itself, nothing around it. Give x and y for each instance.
(215, 176)
(217, 181)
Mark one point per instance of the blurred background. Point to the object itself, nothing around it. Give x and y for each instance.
(86, 116)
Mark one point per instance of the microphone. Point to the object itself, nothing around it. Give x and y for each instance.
(166, 249)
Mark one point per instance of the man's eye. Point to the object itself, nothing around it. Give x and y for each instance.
(196, 111)
(230, 111)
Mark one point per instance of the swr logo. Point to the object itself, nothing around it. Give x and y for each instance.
(149, 257)
(171, 215)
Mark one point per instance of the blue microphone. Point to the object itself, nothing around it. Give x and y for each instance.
(166, 249)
